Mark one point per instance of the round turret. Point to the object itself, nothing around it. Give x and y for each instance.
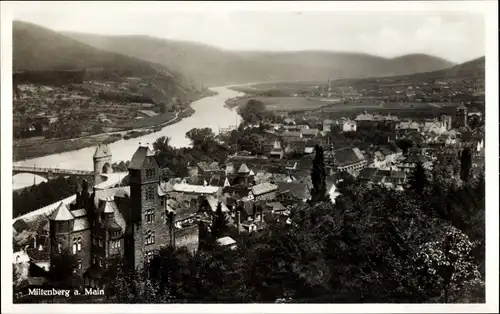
(102, 162)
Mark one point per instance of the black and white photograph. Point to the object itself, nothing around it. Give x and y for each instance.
(285, 153)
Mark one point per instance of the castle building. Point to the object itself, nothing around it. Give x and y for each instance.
(132, 222)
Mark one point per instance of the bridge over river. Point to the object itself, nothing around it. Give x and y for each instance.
(51, 173)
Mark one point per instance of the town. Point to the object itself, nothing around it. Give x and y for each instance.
(265, 178)
(246, 158)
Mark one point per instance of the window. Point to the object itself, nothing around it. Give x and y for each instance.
(162, 202)
(94, 240)
(150, 216)
(79, 262)
(115, 244)
(100, 242)
(150, 173)
(150, 193)
(148, 256)
(150, 237)
(74, 246)
(100, 261)
(59, 247)
(93, 259)
(79, 244)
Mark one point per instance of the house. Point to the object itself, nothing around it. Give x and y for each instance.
(274, 150)
(184, 191)
(291, 135)
(295, 147)
(264, 191)
(411, 161)
(213, 202)
(291, 192)
(364, 119)
(277, 153)
(388, 178)
(309, 146)
(349, 126)
(309, 133)
(227, 242)
(327, 125)
(269, 145)
(386, 155)
(448, 156)
(408, 125)
(433, 127)
(348, 159)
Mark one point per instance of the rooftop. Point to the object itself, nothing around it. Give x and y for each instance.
(347, 156)
(190, 188)
(62, 213)
(263, 188)
(139, 157)
(226, 241)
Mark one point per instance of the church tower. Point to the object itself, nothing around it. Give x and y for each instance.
(102, 162)
(148, 217)
(461, 116)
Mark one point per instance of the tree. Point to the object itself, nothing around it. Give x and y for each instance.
(465, 164)
(254, 111)
(318, 176)
(219, 223)
(447, 265)
(418, 180)
(62, 268)
(202, 139)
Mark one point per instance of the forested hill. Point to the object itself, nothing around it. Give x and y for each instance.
(37, 48)
(213, 66)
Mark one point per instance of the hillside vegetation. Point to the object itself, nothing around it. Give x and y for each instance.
(37, 48)
(212, 66)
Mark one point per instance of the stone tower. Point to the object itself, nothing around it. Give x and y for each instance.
(102, 162)
(149, 219)
(461, 115)
(61, 225)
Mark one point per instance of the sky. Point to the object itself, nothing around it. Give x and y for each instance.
(455, 36)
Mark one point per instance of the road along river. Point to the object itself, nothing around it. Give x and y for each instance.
(209, 112)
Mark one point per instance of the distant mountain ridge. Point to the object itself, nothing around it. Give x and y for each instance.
(37, 48)
(211, 66)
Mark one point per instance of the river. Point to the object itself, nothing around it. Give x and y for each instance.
(209, 112)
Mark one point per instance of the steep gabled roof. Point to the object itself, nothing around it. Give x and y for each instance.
(62, 213)
(140, 155)
(243, 169)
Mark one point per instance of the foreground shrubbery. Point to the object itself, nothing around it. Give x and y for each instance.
(373, 245)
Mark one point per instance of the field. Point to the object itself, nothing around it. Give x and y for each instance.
(36, 147)
(301, 104)
(285, 103)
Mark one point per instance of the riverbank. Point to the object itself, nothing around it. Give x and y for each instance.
(39, 147)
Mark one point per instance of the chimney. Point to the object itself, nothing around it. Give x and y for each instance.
(238, 221)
